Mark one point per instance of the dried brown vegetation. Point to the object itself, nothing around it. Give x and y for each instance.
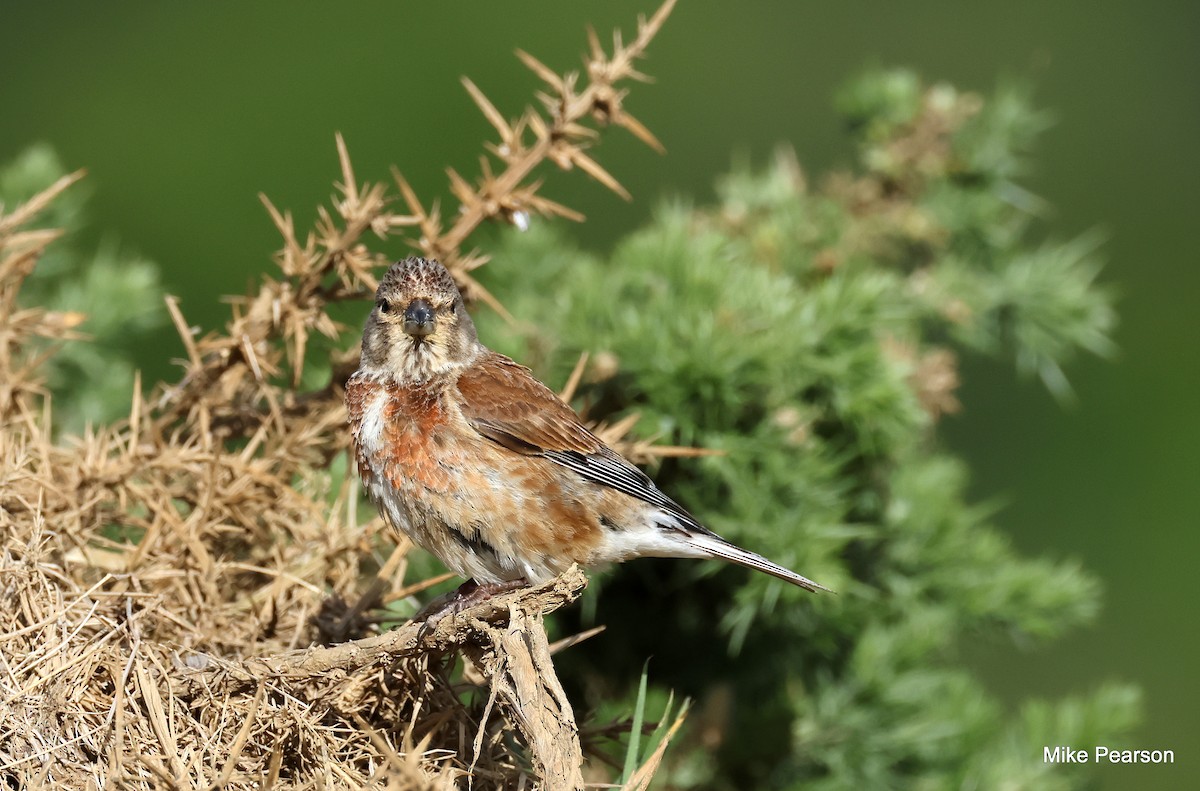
(162, 579)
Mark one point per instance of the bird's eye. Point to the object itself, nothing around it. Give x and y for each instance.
(383, 305)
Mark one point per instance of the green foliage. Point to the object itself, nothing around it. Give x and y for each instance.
(117, 294)
(811, 336)
(633, 756)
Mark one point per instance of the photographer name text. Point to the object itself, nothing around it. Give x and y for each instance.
(1062, 754)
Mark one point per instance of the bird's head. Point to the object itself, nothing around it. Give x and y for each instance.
(419, 327)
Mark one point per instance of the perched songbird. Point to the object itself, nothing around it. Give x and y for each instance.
(481, 464)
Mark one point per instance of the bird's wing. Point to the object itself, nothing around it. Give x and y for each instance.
(507, 404)
(504, 402)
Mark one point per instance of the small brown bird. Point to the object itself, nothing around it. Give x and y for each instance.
(474, 459)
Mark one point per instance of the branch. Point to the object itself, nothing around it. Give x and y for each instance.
(411, 639)
(523, 679)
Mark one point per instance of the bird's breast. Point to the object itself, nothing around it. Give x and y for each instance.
(400, 434)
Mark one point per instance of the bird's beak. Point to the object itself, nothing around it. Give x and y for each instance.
(418, 318)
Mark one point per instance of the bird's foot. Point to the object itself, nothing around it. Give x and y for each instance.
(466, 596)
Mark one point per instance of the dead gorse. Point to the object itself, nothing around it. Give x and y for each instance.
(163, 577)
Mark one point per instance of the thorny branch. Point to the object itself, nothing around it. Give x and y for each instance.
(265, 343)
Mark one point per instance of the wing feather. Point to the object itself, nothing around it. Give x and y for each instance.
(507, 404)
(504, 402)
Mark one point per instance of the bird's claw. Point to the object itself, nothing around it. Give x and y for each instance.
(464, 597)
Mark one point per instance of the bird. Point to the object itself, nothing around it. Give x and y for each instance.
(467, 453)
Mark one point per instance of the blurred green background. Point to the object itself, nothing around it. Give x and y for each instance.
(183, 113)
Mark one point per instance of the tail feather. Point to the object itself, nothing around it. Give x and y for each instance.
(718, 547)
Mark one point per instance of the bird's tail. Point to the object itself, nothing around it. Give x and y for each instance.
(718, 547)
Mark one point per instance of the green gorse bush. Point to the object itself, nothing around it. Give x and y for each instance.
(811, 334)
